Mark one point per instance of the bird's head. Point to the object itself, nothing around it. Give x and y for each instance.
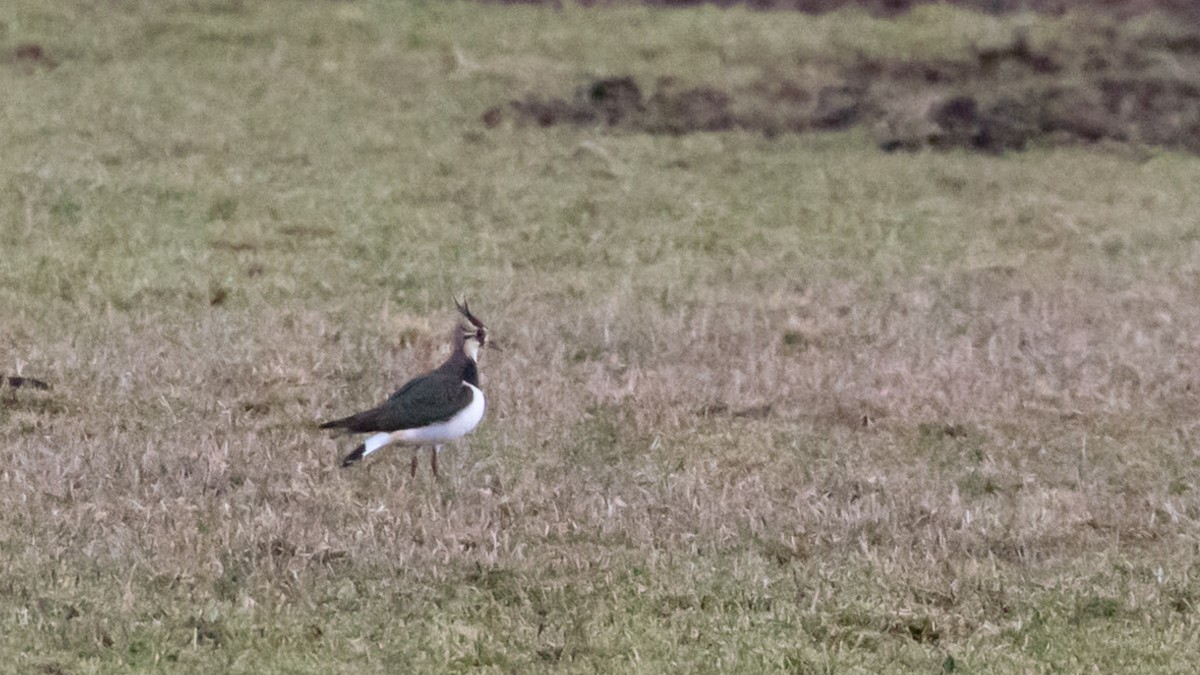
(473, 334)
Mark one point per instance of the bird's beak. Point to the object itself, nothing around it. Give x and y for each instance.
(492, 345)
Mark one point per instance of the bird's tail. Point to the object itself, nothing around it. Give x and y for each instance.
(354, 456)
(368, 446)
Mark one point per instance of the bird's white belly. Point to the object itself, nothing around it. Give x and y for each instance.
(456, 427)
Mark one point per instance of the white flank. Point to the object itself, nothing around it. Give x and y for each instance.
(435, 434)
(456, 427)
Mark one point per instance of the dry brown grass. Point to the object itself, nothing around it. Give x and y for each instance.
(763, 405)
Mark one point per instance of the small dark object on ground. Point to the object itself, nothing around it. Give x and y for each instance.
(16, 381)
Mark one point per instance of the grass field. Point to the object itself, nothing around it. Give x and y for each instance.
(764, 405)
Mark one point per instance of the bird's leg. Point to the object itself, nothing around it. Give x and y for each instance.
(416, 456)
(433, 459)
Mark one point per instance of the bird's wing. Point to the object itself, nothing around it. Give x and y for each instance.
(422, 401)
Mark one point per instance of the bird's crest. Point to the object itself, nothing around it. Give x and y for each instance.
(475, 331)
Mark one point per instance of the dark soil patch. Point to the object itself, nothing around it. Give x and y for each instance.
(1102, 87)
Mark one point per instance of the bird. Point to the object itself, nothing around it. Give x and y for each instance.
(442, 405)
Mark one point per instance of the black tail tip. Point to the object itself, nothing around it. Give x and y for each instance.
(354, 456)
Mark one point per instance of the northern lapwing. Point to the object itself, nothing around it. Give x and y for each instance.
(440, 406)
